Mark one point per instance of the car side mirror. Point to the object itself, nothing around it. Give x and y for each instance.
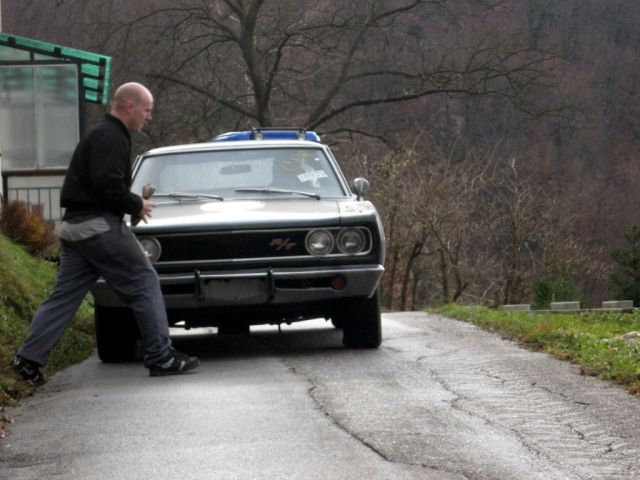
(360, 187)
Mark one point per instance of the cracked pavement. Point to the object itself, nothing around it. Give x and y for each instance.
(440, 400)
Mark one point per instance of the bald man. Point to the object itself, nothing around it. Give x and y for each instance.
(96, 242)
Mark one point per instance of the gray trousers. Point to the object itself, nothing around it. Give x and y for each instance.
(117, 256)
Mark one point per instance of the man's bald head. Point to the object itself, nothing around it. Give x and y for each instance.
(132, 104)
(130, 92)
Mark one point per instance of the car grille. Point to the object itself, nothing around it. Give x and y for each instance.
(239, 245)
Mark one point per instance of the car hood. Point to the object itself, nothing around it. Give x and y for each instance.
(256, 213)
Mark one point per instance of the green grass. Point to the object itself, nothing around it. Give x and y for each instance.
(25, 282)
(587, 339)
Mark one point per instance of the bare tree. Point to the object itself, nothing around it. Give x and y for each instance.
(457, 219)
(471, 225)
(447, 214)
(428, 198)
(393, 194)
(531, 233)
(326, 65)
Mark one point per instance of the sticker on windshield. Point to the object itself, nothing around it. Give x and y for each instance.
(312, 176)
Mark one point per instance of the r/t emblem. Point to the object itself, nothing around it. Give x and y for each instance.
(282, 244)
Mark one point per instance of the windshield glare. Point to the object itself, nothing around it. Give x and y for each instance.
(223, 172)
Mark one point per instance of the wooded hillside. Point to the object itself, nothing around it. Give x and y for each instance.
(501, 138)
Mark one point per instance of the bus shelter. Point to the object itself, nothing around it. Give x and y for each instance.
(43, 90)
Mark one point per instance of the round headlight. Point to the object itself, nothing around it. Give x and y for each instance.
(151, 248)
(351, 241)
(319, 242)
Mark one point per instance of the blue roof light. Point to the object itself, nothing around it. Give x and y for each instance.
(268, 134)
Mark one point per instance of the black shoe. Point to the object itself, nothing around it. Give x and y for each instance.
(28, 370)
(174, 364)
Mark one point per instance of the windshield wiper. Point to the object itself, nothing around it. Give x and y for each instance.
(278, 190)
(188, 195)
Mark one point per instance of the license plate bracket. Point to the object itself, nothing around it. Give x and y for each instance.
(235, 291)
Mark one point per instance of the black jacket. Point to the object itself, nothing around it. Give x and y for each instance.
(99, 177)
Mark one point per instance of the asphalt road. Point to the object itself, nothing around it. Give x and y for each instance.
(440, 399)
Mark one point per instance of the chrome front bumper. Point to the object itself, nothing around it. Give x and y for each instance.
(277, 286)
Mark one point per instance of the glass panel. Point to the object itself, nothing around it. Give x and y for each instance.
(39, 56)
(8, 54)
(224, 172)
(39, 124)
(95, 68)
(56, 114)
(17, 118)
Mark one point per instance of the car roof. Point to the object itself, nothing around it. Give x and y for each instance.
(262, 134)
(234, 145)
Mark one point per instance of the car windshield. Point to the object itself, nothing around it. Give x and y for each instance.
(268, 172)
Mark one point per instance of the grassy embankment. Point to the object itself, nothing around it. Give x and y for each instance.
(591, 340)
(25, 282)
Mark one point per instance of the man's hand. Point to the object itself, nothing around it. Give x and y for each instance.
(145, 211)
(147, 205)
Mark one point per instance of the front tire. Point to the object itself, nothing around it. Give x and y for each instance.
(361, 322)
(234, 328)
(117, 334)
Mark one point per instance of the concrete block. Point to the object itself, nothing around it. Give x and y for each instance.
(565, 306)
(624, 304)
(517, 307)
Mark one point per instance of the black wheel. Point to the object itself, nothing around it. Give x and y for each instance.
(117, 334)
(361, 324)
(234, 328)
(337, 322)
